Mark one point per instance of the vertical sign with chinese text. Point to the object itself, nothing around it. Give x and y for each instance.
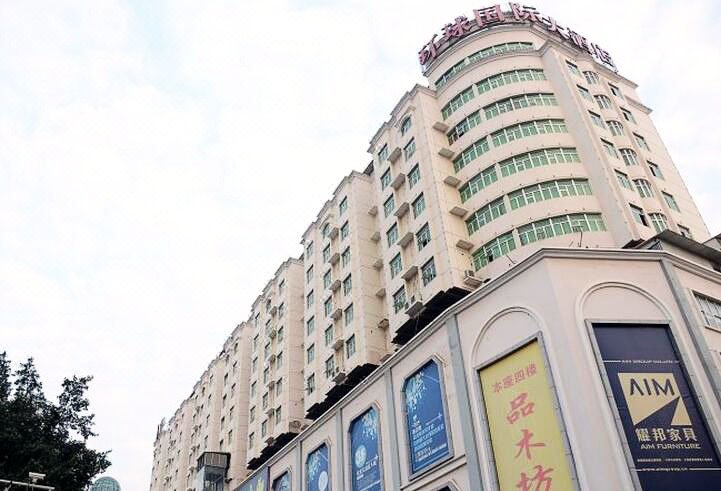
(364, 452)
(525, 434)
(667, 437)
(425, 417)
(316, 470)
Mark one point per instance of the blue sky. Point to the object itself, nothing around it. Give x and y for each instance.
(142, 145)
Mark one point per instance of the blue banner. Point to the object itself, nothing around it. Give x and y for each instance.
(666, 433)
(365, 455)
(316, 470)
(259, 482)
(282, 482)
(425, 418)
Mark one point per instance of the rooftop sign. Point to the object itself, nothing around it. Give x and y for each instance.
(490, 16)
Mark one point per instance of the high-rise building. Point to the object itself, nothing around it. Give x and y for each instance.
(525, 138)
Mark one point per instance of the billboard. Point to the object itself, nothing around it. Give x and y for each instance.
(282, 482)
(365, 452)
(259, 482)
(667, 437)
(317, 471)
(525, 432)
(425, 418)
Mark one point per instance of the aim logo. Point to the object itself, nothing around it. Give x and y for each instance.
(648, 393)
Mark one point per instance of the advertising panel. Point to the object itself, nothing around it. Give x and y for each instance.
(365, 452)
(317, 471)
(667, 436)
(282, 482)
(525, 433)
(425, 417)
(259, 482)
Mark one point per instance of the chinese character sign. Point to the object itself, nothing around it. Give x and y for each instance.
(282, 482)
(316, 470)
(667, 436)
(525, 434)
(259, 482)
(425, 418)
(364, 452)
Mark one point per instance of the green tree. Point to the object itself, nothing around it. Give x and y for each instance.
(38, 435)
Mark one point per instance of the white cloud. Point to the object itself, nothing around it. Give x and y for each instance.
(144, 146)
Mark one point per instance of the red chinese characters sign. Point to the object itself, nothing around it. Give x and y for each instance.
(525, 435)
(489, 16)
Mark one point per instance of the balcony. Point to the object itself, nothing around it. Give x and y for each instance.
(452, 181)
(458, 211)
(470, 279)
(393, 156)
(406, 239)
(398, 181)
(402, 210)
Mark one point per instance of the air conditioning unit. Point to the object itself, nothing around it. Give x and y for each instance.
(295, 424)
(470, 279)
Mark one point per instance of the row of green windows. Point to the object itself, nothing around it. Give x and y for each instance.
(519, 102)
(518, 163)
(480, 55)
(490, 83)
(527, 195)
(539, 230)
(506, 135)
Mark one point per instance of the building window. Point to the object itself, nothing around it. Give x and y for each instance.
(537, 158)
(326, 254)
(406, 125)
(623, 180)
(265, 400)
(470, 121)
(264, 427)
(685, 231)
(628, 115)
(281, 310)
(643, 188)
(629, 156)
(615, 90)
(309, 299)
(281, 333)
(254, 365)
(655, 170)
(419, 204)
(638, 215)
(348, 315)
(310, 326)
(345, 257)
(457, 102)
(584, 93)
(549, 190)
(251, 440)
(279, 360)
(529, 128)
(278, 415)
(423, 237)
(396, 265)
(392, 235)
(710, 310)
(519, 102)
(603, 101)
(328, 307)
(326, 280)
(480, 55)
(328, 335)
(255, 342)
(428, 271)
(596, 119)
(344, 231)
(325, 229)
(399, 300)
(253, 389)
(561, 225)
(509, 77)
(310, 384)
(615, 127)
(470, 154)
(347, 285)
(330, 367)
(343, 206)
(485, 215)
(266, 374)
(386, 179)
(498, 247)
(388, 206)
(310, 353)
(573, 68)
(252, 414)
(670, 201)
(383, 154)
(641, 141)
(309, 274)
(591, 77)
(350, 346)
(414, 176)
(658, 220)
(308, 249)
